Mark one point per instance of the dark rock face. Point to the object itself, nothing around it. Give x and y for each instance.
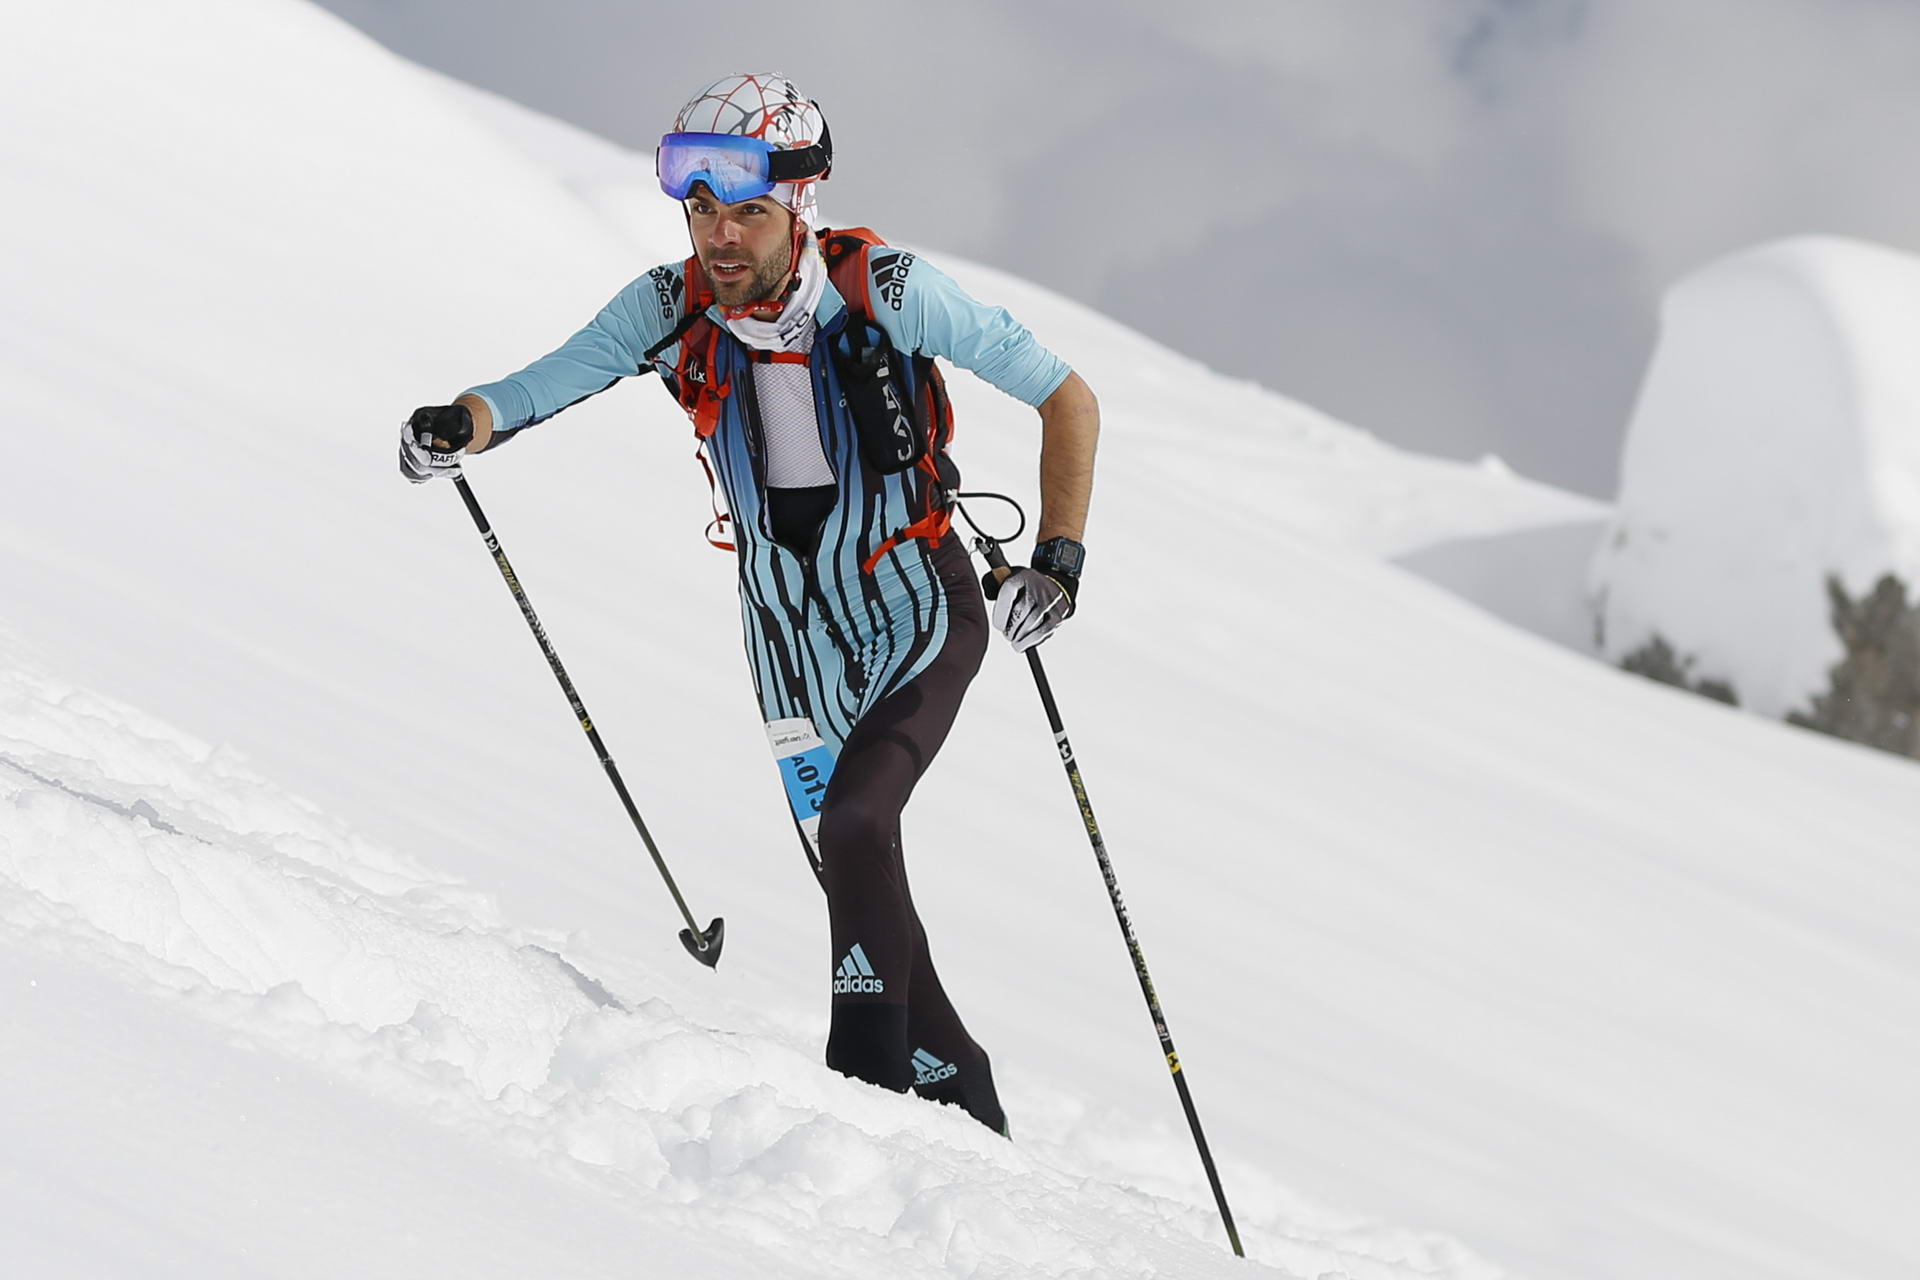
(1656, 660)
(1874, 694)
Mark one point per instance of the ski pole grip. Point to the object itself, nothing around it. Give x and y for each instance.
(997, 567)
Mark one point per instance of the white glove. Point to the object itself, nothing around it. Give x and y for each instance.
(1029, 606)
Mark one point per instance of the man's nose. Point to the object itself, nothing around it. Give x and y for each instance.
(725, 232)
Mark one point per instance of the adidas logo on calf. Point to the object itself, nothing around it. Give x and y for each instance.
(855, 976)
(928, 1069)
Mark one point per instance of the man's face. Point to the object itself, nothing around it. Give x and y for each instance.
(746, 248)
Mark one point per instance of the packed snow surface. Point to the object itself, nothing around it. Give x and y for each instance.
(1773, 447)
(328, 951)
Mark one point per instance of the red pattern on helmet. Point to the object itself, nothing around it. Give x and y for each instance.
(767, 106)
(752, 106)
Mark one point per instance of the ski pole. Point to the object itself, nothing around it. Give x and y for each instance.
(997, 562)
(704, 947)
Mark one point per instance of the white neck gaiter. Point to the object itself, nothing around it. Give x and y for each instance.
(792, 329)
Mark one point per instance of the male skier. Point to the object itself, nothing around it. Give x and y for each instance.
(824, 423)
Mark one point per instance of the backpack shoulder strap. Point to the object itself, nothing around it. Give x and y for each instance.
(696, 298)
(846, 254)
(674, 335)
(692, 381)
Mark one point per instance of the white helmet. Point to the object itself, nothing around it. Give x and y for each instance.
(765, 106)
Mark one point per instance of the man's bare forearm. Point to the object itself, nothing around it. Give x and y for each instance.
(482, 422)
(1069, 435)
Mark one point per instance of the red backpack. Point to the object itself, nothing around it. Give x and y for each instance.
(893, 438)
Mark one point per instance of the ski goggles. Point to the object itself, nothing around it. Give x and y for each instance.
(735, 168)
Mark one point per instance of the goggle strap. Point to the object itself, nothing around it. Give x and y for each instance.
(802, 162)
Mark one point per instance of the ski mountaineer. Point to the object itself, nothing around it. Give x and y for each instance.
(805, 358)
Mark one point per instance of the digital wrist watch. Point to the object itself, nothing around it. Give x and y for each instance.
(1060, 556)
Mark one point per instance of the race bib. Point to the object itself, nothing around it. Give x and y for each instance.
(806, 766)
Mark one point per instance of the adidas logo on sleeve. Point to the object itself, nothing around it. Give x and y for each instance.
(855, 976)
(928, 1069)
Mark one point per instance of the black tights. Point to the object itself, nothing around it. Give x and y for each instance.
(892, 1022)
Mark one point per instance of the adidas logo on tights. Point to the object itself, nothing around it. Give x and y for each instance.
(928, 1069)
(855, 976)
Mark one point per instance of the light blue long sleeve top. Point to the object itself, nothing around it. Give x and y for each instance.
(921, 308)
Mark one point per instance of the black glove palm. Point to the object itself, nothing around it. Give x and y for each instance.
(431, 441)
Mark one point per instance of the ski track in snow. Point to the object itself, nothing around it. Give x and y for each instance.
(126, 844)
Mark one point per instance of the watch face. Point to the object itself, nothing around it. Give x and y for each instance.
(1061, 553)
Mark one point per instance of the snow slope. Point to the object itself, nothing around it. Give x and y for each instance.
(1456, 931)
(171, 866)
(1773, 445)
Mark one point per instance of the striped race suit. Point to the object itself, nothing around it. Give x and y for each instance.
(861, 642)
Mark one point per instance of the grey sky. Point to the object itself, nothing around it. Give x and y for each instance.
(1447, 221)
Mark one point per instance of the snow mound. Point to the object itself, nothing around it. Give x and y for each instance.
(1773, 445)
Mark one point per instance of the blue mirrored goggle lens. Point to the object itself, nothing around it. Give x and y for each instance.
(734, 168)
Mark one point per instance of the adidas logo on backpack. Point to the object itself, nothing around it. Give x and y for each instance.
(928, 1069)
(855, 976)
